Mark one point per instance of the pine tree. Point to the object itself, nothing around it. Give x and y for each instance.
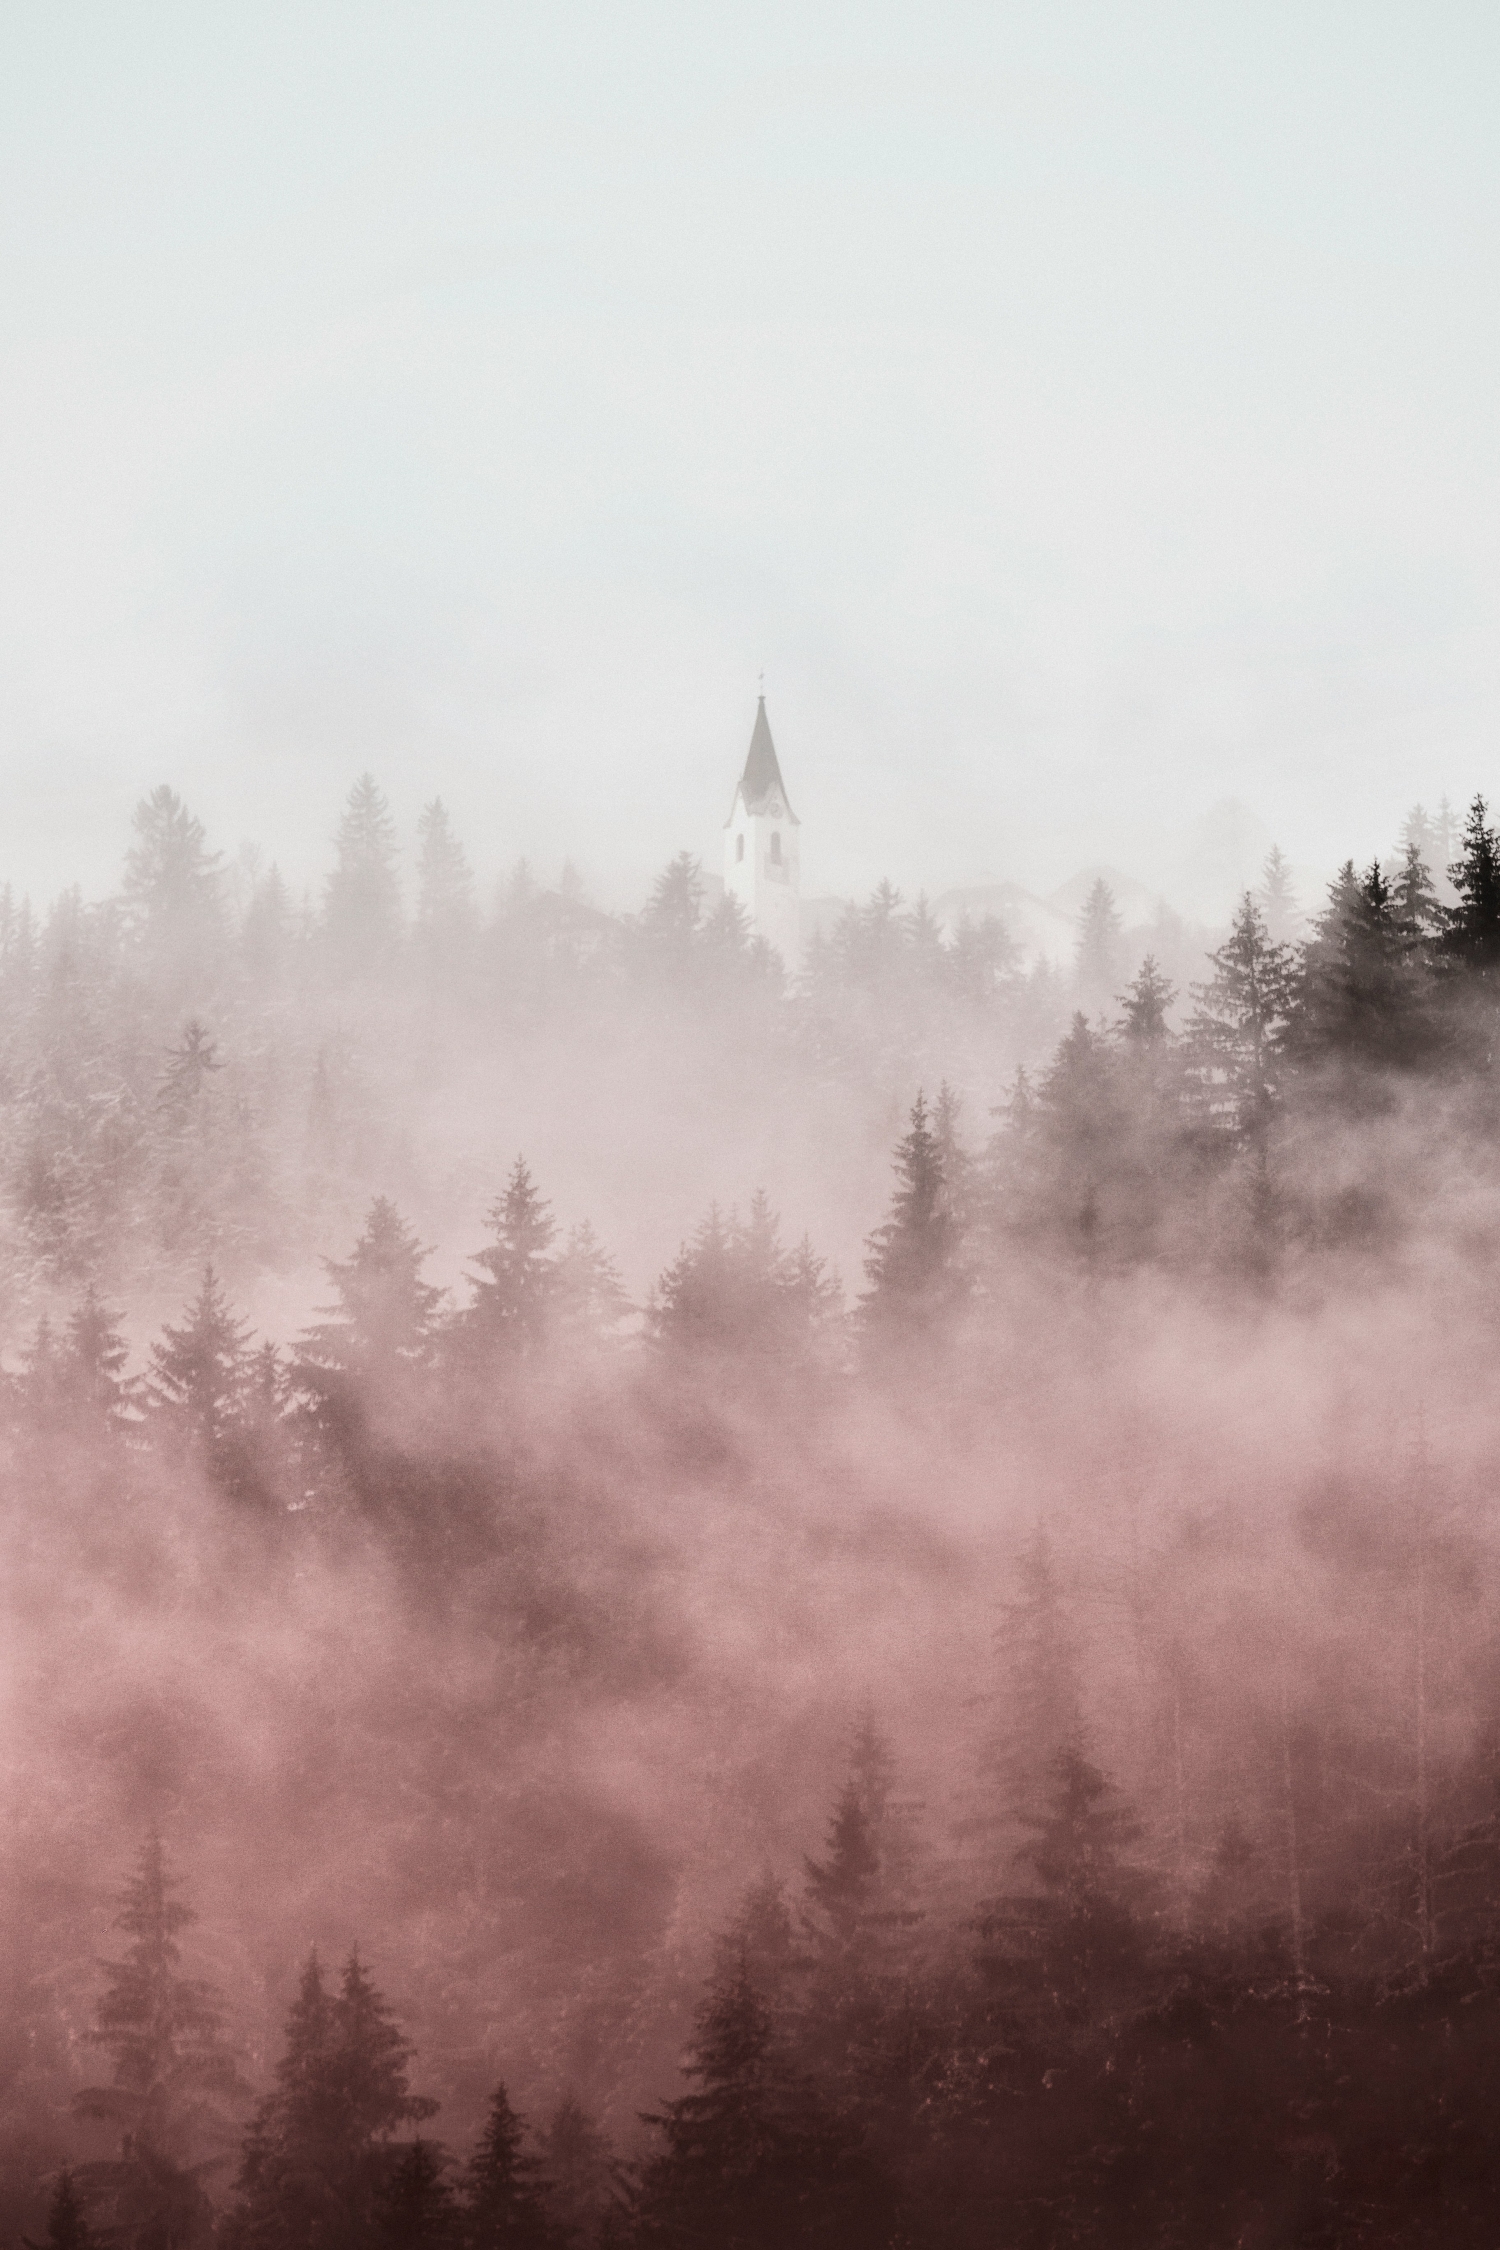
(513, 1300)
(172, 2070)
(1471, 929)
(981, 959)
(173, 2074)
(1418, 913)
(383, 1326)
(726, 937)
(42, 1382)
(1097, 957)
(754, 2159)
(762, 1940)
(916, 1284)
(668, 925)
(580, 2172)
(415, 2208)
(733, 1291)
(1277, 899)
(1036, 1702)
(199, 1372)
(1079, 1129)
(362, 905)
(812, 1303)
(504, 2190)
(1238, 1025)
(89, 1374)
(1360, 998)
(447, 918)
(445, 881)
(1147, 1004)
(588, 1301)
(67, 2228)
(190, 1065)
(1419, 831)
(956, 1162)
(1079, 1920)
(860, 2033)
(318, 2152)
(173, 883)
(695, 1306)
(841, 1888)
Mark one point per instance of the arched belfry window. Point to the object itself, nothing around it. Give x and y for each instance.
(739, 847)
(776, 849)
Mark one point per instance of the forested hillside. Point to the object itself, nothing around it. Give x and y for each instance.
(546, 1702)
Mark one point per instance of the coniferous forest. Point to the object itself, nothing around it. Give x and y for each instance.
(653, 1603)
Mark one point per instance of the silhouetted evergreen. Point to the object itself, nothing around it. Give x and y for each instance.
(67, 2228)
(754, 2158)
(505, 2193)
(317, 2157)
(174, 2081)
(199, 1374)
(415, 2207)
(381, 1331)
(362, 907)
(580, 2172)
(517, 1286)
(1471, 927)
(915, 1280)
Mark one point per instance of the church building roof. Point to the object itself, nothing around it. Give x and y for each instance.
(761, 783)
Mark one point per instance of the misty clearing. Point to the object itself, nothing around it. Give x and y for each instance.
(665, 1594)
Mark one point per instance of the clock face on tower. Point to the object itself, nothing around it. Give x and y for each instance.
(776, 808)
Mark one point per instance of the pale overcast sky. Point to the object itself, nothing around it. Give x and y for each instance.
(1083, 413)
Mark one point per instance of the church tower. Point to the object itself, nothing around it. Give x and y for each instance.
(761, 860)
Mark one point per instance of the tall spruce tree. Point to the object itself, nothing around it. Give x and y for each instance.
(589, 1303)
(735, 1293)
(669, 923)
(91, 1382)
(1361, 1000)
(1277, 898)
(1471, 927)
(199, 1371)
(173, 896)
(754, 2158)
(916, 1283)
(1034, 1710)
(319, 2150)
(1146, 1004)
(580, 2171)
(841, 1887)
(189, 1070)
(382, 1327)
(1416, 900)
(1076, 1920)
(505, 2192)
(67, 2228)
(362, 903)
(1097, 961)
(415, 2207)
(1238, 1025)
(517, 1287)
(1078, 1133)
(175, 2079)
(447, 918)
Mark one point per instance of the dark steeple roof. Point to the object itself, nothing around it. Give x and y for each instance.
(761, 780)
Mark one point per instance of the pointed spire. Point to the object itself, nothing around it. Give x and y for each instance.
(761, 784)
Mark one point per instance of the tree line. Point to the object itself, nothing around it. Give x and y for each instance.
(1057, 2017)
